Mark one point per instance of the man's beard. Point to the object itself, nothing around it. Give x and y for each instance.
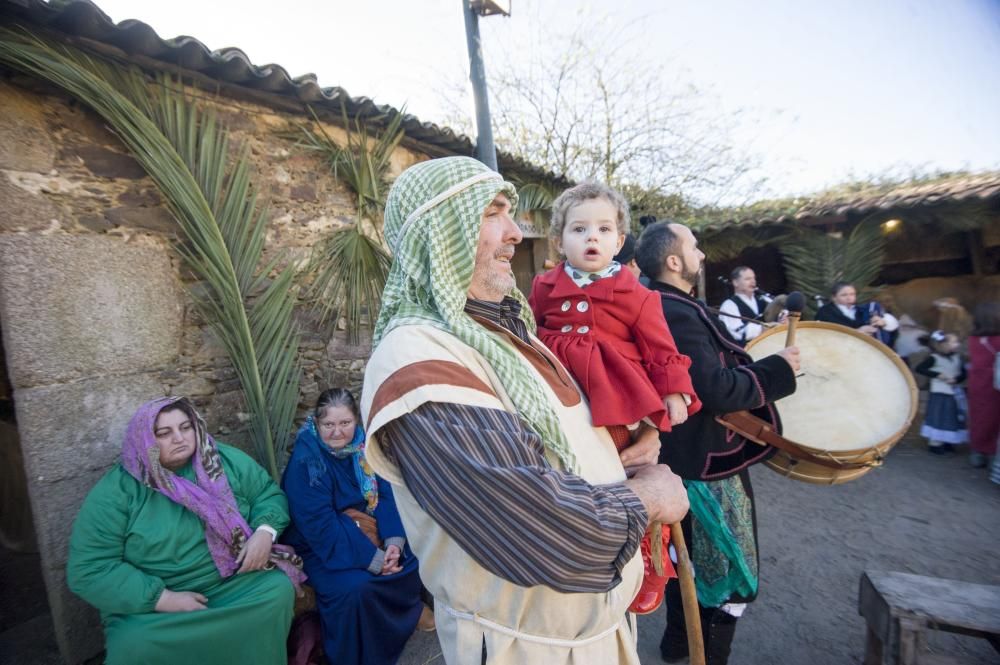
(692, 277)
(496, 284)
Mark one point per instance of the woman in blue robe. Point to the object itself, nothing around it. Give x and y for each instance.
(347, 530)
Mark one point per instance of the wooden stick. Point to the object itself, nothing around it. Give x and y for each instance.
(656, 547)
(795, 303)
(689, 596)
(793, 319)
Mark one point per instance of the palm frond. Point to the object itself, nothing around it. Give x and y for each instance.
(814, 260)
(362, 164)
(348, 268)
(731, 243)
(534, 201)
(222, 232)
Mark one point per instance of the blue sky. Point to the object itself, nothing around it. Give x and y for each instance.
(833, 90)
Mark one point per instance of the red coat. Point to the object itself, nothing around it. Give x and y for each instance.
(614, 340)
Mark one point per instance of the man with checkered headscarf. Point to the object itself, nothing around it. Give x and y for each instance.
(519, 510)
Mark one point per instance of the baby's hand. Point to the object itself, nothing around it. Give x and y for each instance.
(676, 408)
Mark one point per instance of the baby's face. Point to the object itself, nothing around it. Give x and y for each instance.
(590, 238)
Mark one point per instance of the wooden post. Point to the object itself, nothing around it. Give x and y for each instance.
(977, 254)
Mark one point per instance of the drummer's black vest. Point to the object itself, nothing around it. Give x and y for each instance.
(745, 308)
(748, 313)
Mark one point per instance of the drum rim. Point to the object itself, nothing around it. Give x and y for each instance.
(883, 446)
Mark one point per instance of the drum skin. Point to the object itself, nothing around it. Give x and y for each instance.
(854, 400)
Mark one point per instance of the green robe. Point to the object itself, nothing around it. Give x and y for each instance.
(130, 542)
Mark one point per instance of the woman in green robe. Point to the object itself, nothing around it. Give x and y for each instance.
(175, 547)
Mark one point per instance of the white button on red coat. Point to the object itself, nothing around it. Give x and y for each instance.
(583, 330)
(567, 328)
(566, 305)
(582, 306)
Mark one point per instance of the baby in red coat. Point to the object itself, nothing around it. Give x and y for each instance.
(609, 331)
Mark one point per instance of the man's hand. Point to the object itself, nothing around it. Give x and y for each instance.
(391, 564)
(676, 408)
(180, 601)
(661, 491)
(644, 450)
(791, 356)
(255, 552)
(868, 329)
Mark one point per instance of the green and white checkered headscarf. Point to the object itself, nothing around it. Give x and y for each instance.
(432, 219)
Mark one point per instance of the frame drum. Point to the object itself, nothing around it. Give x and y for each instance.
(855, 398)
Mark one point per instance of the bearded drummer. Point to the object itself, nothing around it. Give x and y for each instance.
(712, 461)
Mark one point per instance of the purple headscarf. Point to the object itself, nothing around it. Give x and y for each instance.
(210, 497)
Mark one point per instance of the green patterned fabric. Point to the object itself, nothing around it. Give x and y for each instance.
(433, 258)
(724, 550)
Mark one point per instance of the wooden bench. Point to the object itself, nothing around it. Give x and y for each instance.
(900, 607)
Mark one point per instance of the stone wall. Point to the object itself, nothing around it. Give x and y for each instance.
(94, 308)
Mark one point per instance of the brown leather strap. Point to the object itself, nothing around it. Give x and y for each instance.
(760, 431)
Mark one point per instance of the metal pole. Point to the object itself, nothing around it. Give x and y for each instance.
(485, 151)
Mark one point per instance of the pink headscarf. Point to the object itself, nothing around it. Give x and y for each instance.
(210, 497)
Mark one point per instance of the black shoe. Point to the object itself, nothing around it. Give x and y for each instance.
(937, 450)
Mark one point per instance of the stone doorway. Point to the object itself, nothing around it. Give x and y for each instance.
(26, 629)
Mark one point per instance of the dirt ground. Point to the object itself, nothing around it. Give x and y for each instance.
(919, 514)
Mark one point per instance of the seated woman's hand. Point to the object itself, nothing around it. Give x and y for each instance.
(391, 563)
(180, 601)
(255, 552)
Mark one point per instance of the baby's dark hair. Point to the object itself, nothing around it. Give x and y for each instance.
(336, 397)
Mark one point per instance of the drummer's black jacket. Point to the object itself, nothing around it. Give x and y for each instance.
(832, 314)
(726, 379)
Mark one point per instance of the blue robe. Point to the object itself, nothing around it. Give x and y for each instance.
(366, 618)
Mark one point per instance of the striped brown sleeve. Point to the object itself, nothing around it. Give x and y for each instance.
(483, 477)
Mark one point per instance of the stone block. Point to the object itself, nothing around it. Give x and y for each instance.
(305, 192)
(140, 196)
(24, 210)
(193, 386)
(106, 163)
(25, 142)
(80, 306)
(78, 625)
(55, 506)
(70, 429)
(158, 220)
(95, 223)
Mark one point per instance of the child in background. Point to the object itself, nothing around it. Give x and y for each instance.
(983, 386)
(944, 423)
(609, 332)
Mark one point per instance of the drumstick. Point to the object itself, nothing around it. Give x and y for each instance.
(689, 596)
(795, 304)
